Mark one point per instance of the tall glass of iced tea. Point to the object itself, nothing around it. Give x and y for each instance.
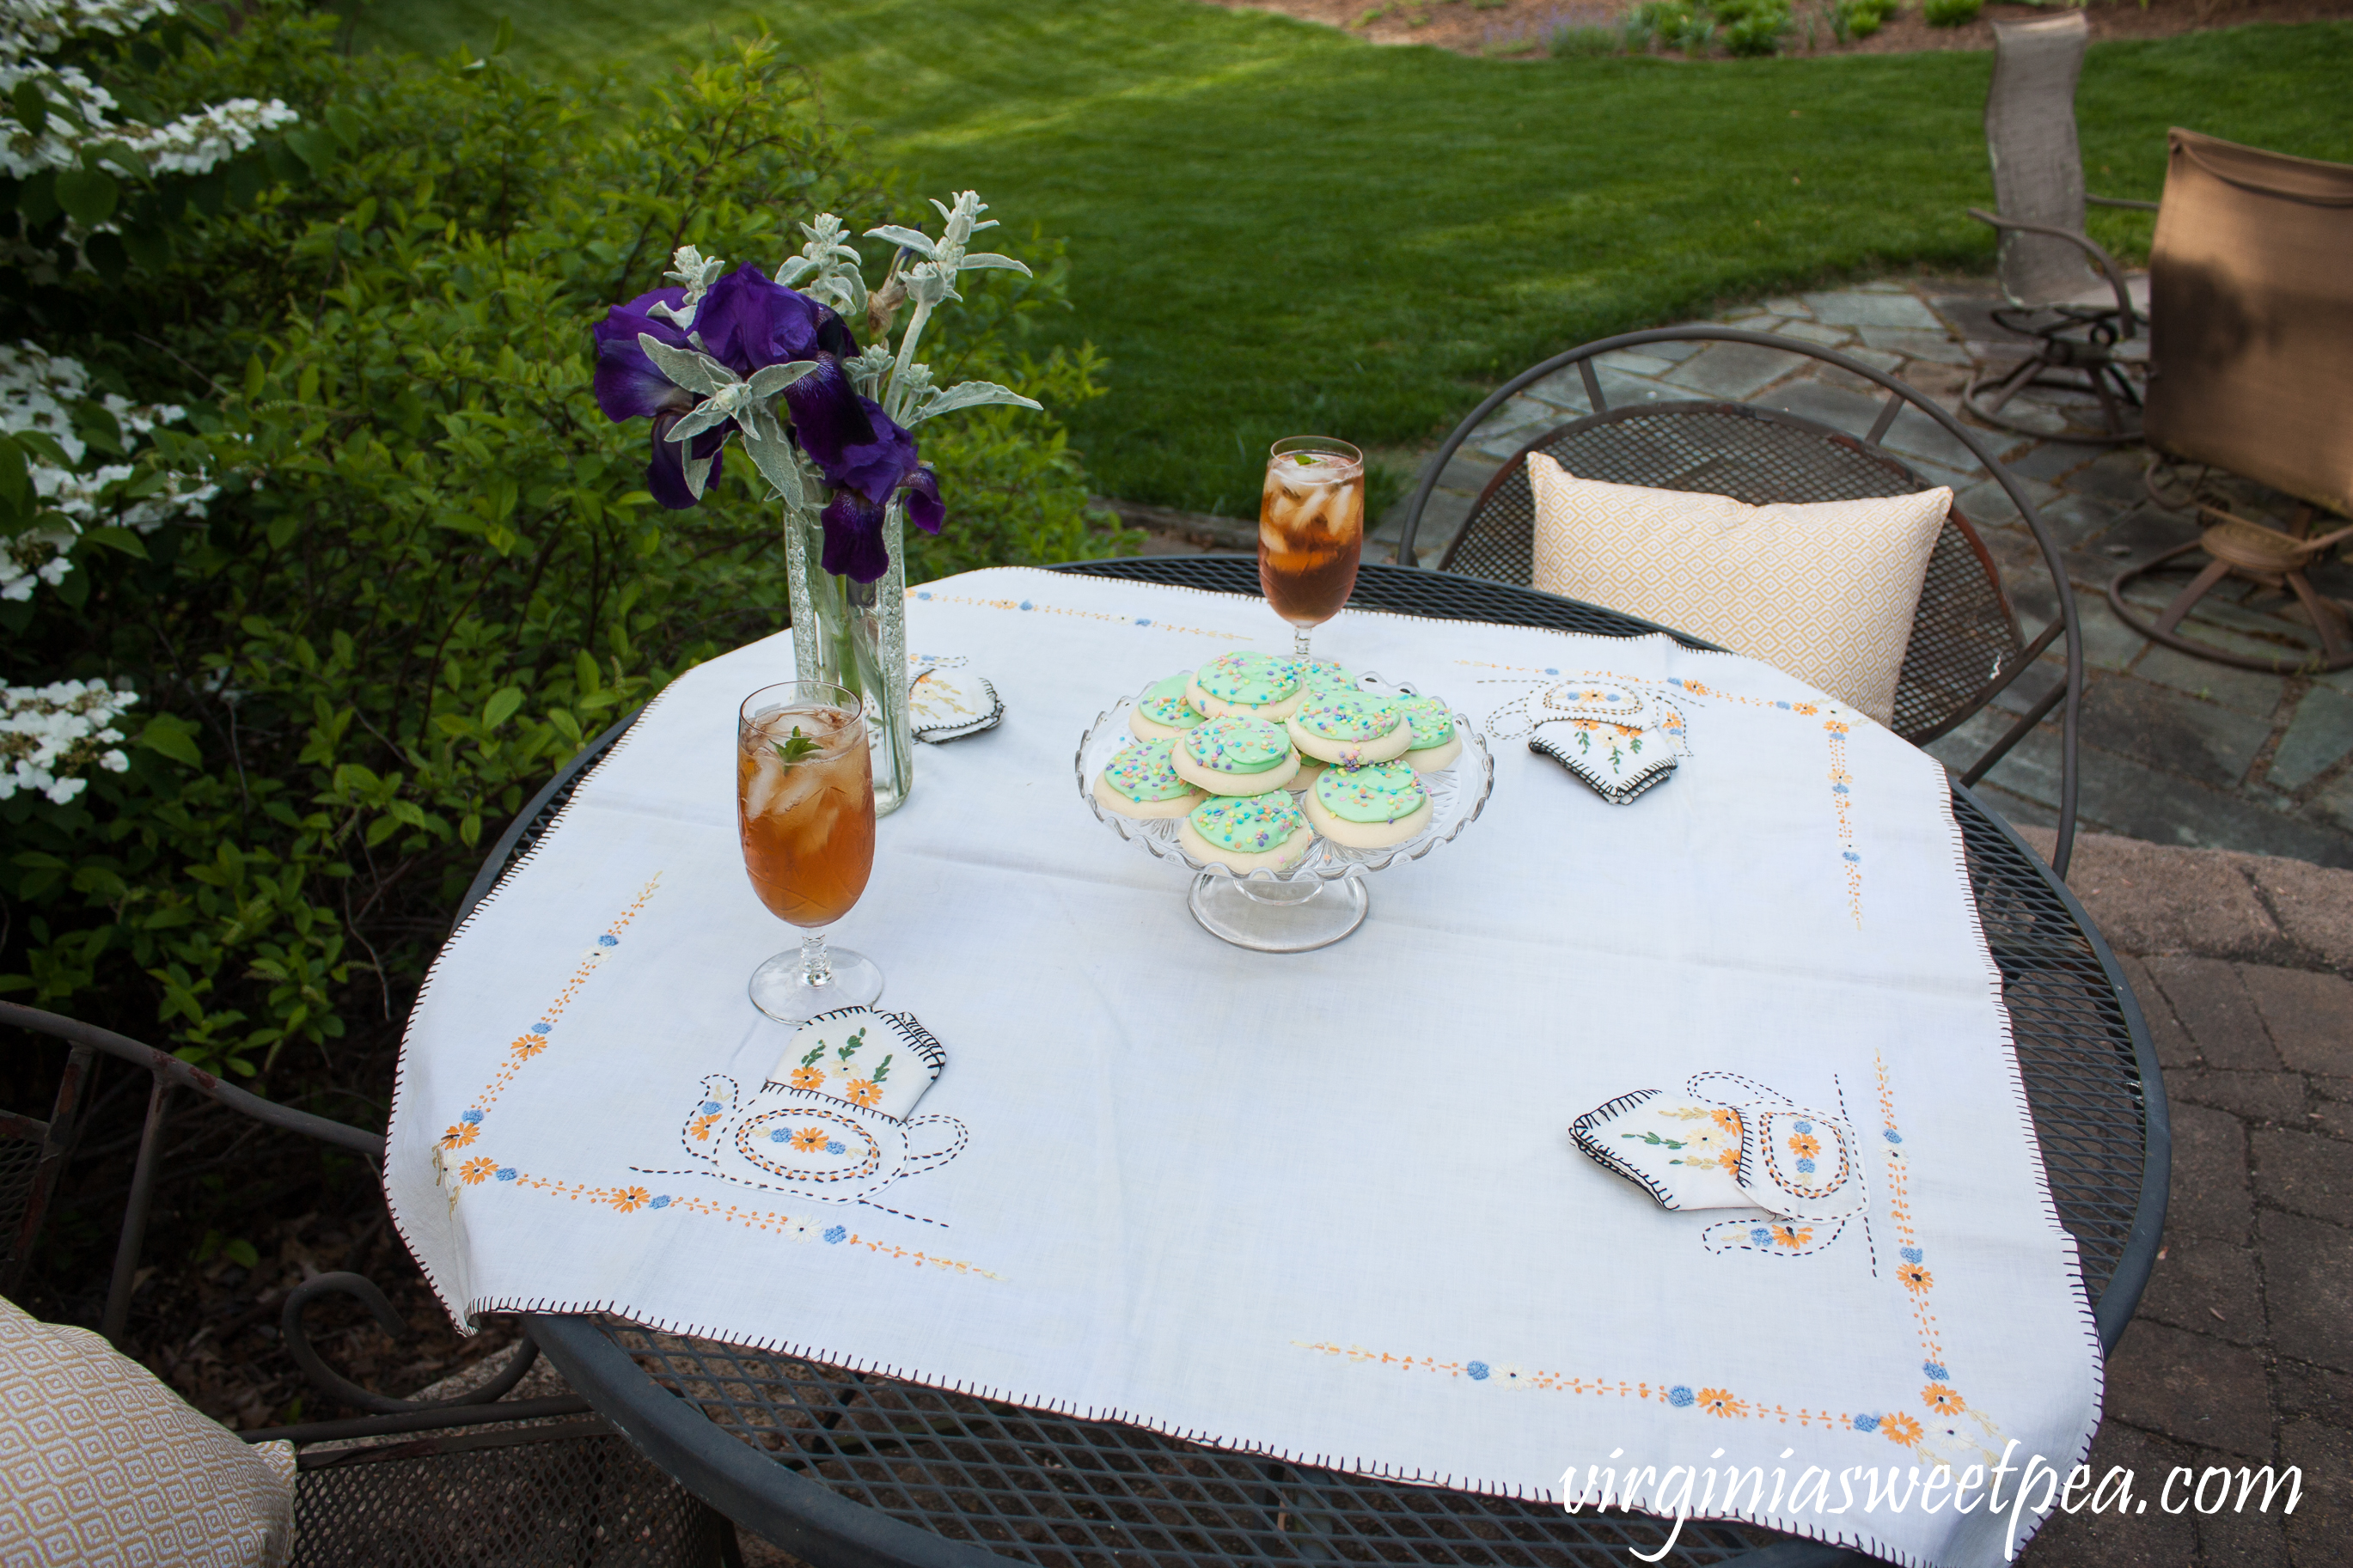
(805, 807)
(1311, 530)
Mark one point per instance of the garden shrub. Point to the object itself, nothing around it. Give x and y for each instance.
(426, 568)
(1753, 26)
(1950, 12)
(1862, 18)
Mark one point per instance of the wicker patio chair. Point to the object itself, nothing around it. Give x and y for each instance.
(1966, 647)
(474, 1481)
(2250, 373)
(2063, 289)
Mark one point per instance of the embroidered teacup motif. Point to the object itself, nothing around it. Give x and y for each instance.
(831, 1123)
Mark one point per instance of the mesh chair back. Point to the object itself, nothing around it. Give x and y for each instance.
(2251, 317)
(2038, 170)
(1963, 631)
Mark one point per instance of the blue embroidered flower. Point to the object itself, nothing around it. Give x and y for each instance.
(1679, 1396)
(1866, 1423)
(923, 594)
(506, 1172)
(1782, 705)
(1674, 680)
(1557, 672)
(1892, 1136)
(1838, 789)
(710, 1108)
(471, 1115)
(834, 1147)
(542, 1028)
(1805, 1126)
(662, 1202)
(1911, 1254)
(609, 939)
(835, 1234)
(1025, 603)
(1761, 1236)
(778, 1135)
(1144, 620)
(1934, 1369)
(1851, 856)
(1805, 1167)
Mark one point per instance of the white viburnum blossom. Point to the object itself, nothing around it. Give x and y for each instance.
(82, 113)
(36, 392)
(49, 735)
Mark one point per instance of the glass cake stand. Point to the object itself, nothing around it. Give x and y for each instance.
(1321, 898)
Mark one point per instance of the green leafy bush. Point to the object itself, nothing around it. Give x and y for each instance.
(1862, 18)
(1584, 42)
(1950, 12)
(1753, 26)
(431, 570)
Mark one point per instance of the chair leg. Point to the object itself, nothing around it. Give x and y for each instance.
(2213, 572)
(2016, 382)
(2323, 617)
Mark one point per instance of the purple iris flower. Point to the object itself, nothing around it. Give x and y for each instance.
(747, 322)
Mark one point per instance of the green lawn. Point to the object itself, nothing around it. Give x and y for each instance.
(1276, 229)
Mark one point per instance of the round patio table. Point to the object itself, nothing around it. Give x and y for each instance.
(848, 1470)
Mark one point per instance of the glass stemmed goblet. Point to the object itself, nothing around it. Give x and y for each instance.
(1311, 531)
(805, 808)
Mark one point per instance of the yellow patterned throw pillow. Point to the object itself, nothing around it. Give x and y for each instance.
(1824, 590)
(102, 1465)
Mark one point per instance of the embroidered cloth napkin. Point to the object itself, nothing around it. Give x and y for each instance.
(1615, 737)
(1323, 1205)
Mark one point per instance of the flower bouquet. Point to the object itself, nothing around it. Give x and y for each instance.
(721, 355)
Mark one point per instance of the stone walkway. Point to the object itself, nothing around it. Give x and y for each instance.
(2176, 750)
(2241, 1352)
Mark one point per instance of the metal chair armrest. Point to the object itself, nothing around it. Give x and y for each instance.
(2120, 202)
(2091, 248)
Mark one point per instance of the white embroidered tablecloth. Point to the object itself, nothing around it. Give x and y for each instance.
(1325, 1204)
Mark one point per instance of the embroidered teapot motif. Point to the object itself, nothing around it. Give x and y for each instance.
(831, 1123)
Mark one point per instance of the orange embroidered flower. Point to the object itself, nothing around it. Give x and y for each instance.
(1834, 727)
(628, 1200)
(1719, 1402)
(1900, 1428)
(1728, 1119)
(1729, 1159)
(1791, 1236)
(529, 1046)
(808, 1077)
(1805, 1145)
(701, 1125)
(477, 1170)
(1941, 1399)
(865, 1090)
(458, 1137)
(1585, 723)
(1915, 1278)
(1696, 690)
(1808, 709)
(809, 1139)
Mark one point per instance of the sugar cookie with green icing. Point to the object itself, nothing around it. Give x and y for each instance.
(1435, 743)
(1237, 754)
(1350, 728)
(1324, 675)
(1162, 713)
(1247, 833)
(1142, 782)
(1369, 807)
(1246, 682)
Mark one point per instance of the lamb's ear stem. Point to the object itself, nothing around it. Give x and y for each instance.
(907, 341)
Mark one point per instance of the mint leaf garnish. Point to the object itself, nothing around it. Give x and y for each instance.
(799, 748)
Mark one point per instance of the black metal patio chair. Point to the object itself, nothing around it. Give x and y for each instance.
(477, 1480)
(1966, 648)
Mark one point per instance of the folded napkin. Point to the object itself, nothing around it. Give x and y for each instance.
(1615, 737)
(1728, 1142)
(947, 700)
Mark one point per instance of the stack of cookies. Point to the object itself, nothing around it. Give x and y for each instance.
(1259, 755)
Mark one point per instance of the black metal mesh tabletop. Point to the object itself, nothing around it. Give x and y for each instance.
(844, 1467)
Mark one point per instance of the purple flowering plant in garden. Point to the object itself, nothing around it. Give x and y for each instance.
(722, 355)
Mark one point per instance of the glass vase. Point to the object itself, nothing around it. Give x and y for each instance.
(854, 635)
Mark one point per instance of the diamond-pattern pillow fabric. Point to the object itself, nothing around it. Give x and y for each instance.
(1824, 590)
(103, 1467)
